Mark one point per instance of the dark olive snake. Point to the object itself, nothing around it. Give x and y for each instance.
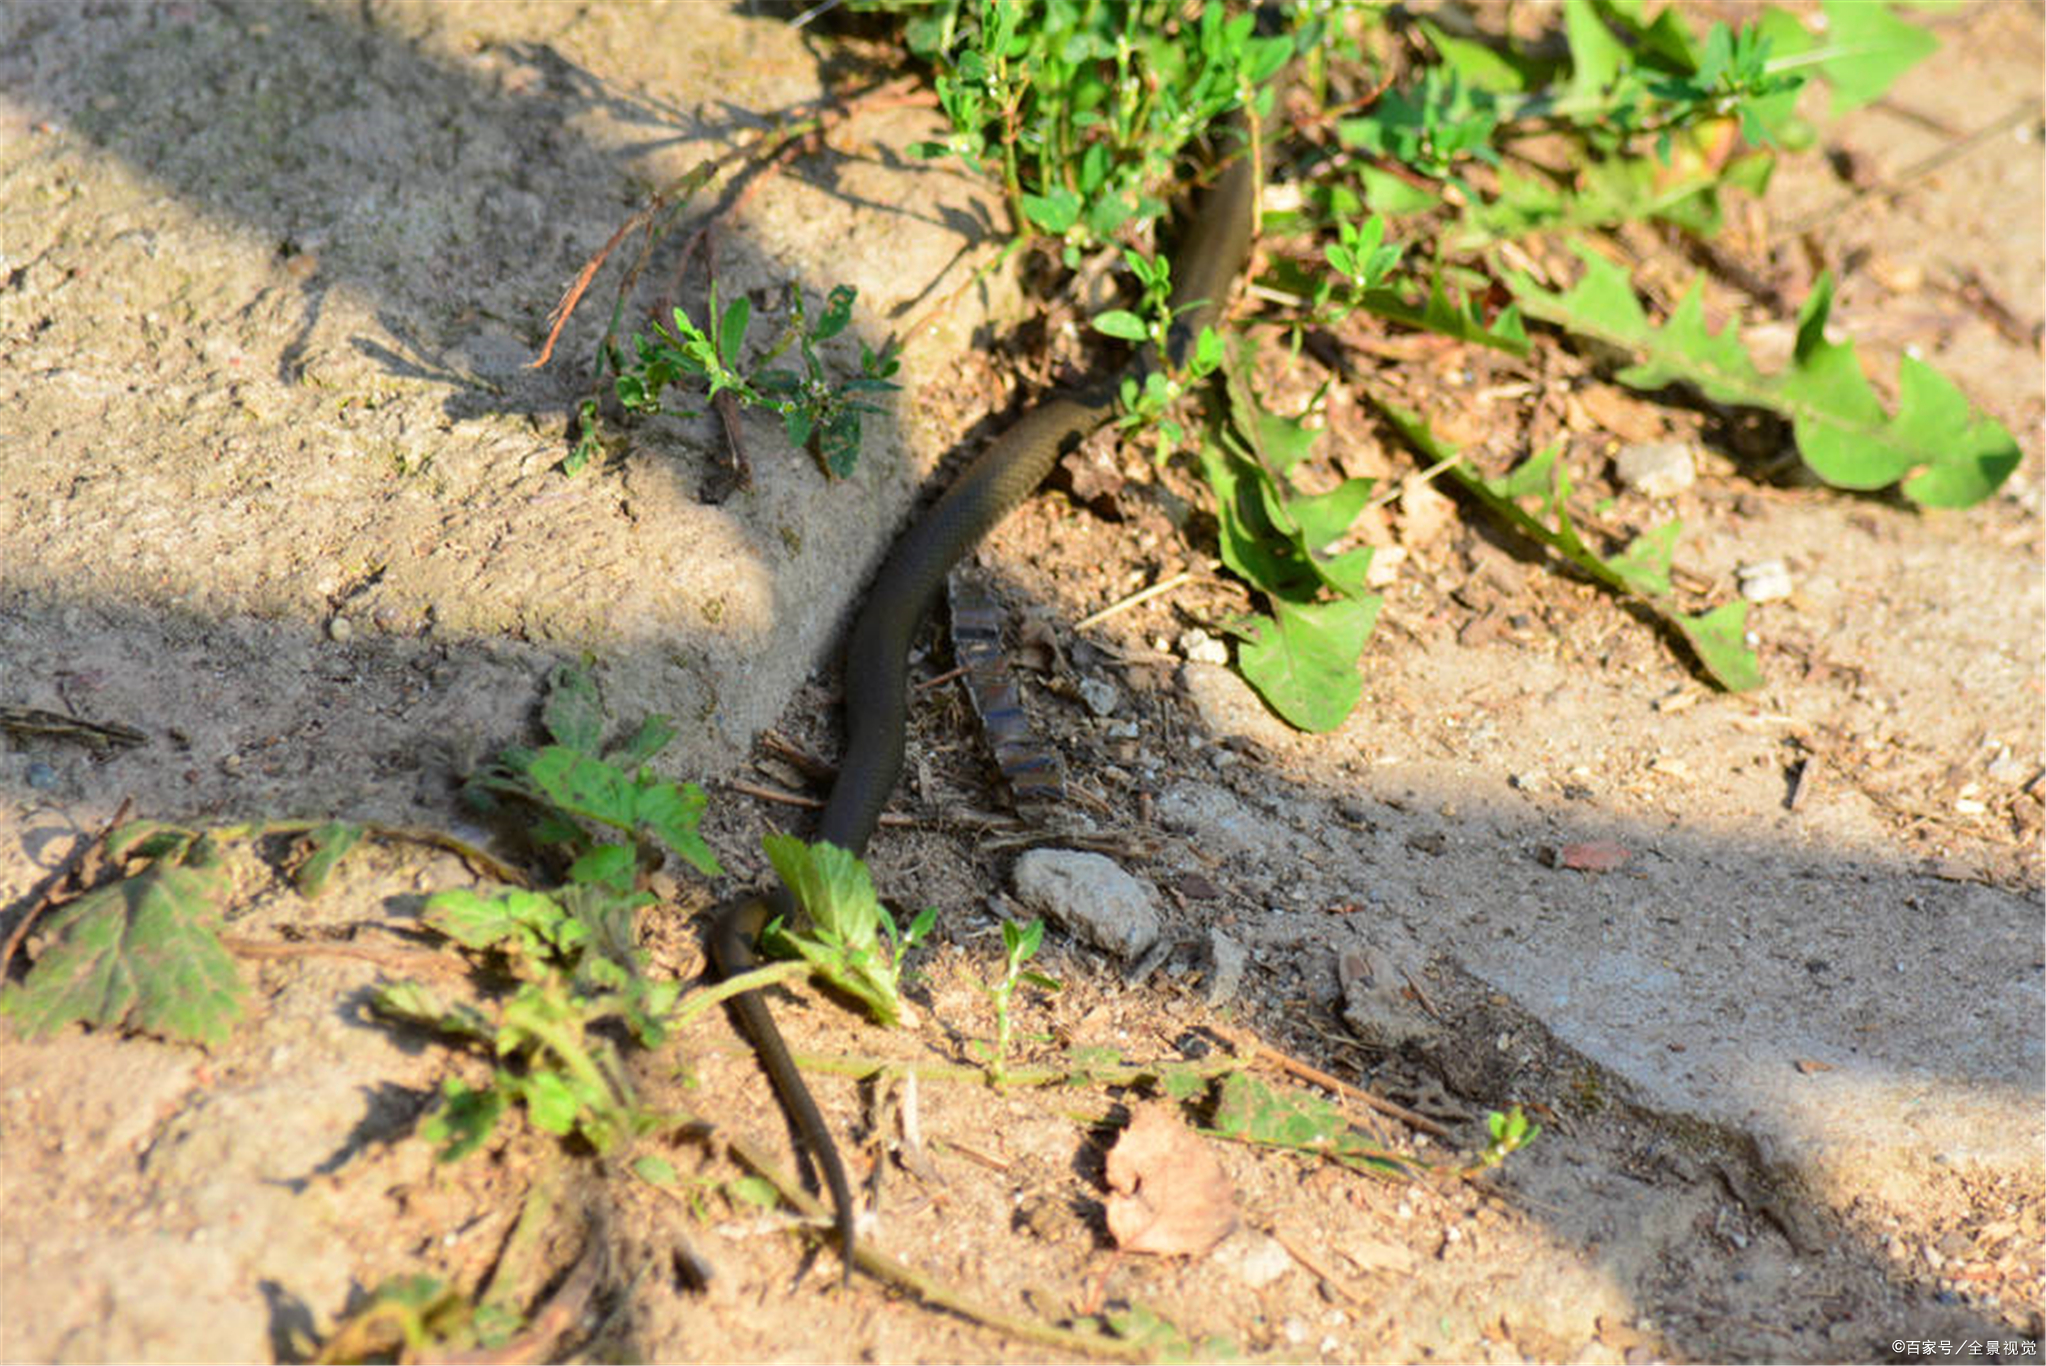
(877, 652)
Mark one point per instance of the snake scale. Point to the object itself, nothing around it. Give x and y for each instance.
(877, 652)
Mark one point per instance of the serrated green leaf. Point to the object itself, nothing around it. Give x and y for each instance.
(1874, 48)
(551, 1103)
(525, 922)
(140, 954)
(612, 865)
(1947, 453)
(329, 843)
(464, 1119)
(650, 739)
(672, 814)
(572, 713)
(844, 939)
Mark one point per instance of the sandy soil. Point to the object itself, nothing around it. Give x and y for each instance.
(280, 492)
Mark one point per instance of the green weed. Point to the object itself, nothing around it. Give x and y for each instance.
(1083, 111)
(1020, 943)
(818, 413)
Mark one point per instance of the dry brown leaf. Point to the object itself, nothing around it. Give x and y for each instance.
(1170, 1196)
(1592, 856)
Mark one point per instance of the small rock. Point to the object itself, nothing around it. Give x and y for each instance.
(2005, 768)
(1375, 1004)
(1202, 648)
(1226, 958)
(340, 630)
(1090, 896)
(41, 776)
(1657, 469)
(1099, 695)
(1764, 581)
(1258, 1259)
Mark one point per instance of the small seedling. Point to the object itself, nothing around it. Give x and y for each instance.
(1510, 1132)
(1019, 945)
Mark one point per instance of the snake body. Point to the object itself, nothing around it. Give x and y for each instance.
(877, 651)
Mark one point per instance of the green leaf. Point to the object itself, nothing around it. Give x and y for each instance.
(1720, 639)
(1052, 213)
(611, 865)
(1875, 47)
(655, 1170)
(1596, 56)
(484, 922)
(1304, 661)
(1484, 67)
(464, 1120)
(844, 941)
(551, 1103)
(329, 843)
(1947, 454)
(837, 315)
(753, 1190)
(1120, 322)
(732, 330)
(572, 713)
(140, 953)
(838, 443)
(1644, 564)
(650, 739)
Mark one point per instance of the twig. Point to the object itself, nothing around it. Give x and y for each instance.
(769, 794)
(48, 891)
(1136, 599)
(1251, 1047)
(398, 960)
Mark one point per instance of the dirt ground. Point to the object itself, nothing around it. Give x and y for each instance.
(278, 490)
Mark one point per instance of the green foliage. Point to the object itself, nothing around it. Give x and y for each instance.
(141, 952)
(571, 954)
(1946, 453)
(1162, 1339)
(1083, 110)
(572, 783)
(1640, 572)
(572, 950)
(1148, 404)
(1249, 1111)
(851, 940)
(818, 413)
(1302, 658)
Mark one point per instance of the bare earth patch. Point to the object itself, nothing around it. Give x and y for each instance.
(279, 491)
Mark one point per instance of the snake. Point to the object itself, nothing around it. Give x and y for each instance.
(876, 672)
